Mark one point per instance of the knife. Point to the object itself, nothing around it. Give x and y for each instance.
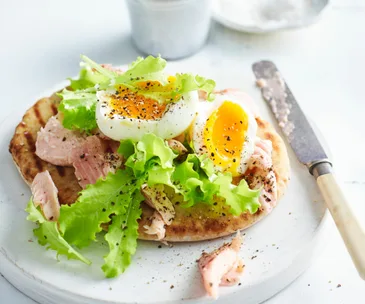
(310, 152)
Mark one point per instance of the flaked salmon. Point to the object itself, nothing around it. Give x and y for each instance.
(164, 210)
(93, 159)
(177, 146)
(232, 277)
(221, 267)
(156, 227)
(260, 173)
(44, 194)
(92, 156)
(158, 200)
(55, 143)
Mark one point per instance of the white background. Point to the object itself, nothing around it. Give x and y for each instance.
(324, 65)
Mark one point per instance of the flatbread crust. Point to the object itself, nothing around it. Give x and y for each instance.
(201, 222)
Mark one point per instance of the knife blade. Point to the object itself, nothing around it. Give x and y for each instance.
(310, 152)
(289, 115)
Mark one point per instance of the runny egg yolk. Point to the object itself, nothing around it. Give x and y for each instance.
(133, 104)
(224, 135)
(128, 103)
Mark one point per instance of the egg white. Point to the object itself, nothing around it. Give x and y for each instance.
(205, 110)
(176, 119)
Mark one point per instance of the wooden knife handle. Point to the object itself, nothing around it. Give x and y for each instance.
(352, 233)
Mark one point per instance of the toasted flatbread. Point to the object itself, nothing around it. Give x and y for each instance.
(200, 222)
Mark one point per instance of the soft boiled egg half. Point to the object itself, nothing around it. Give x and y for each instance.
(126, 114)
(225, 130)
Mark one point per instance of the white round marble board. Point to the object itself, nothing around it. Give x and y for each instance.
(276, 250)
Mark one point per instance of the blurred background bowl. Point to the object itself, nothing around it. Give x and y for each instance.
(262, 16)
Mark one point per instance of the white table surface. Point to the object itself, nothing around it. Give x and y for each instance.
(39, 46)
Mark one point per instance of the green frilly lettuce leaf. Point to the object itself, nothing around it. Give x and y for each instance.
(114, 200)
(240, 198)
(80, 222)
(122, 237)
(78, 108)
(48, 235)
(146, 155)
(193, 182)
(148, 69)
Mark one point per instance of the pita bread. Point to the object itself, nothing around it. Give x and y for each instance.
(201, 222)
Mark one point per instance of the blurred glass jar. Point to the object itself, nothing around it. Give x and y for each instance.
(172, 28)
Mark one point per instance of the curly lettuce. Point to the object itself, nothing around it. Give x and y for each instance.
(240, 198)
(122, 237)
(148, 69)
(114, 201)
(148, 154)
(194, 177)
(81, 221)
(193, 182)
(48, 235)
(78, 109)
